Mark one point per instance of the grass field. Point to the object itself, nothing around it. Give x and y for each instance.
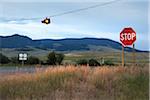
(142, 58)
(77, 83)
(115, 57)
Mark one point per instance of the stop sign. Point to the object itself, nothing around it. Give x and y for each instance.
(127, 36)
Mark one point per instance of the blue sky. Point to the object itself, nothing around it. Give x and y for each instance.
(101, 22)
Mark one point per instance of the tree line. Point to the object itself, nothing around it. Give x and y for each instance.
(53, 58)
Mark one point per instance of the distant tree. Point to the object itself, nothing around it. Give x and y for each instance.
(55, 58)
(33, 60)
(15, 60)
(59, 58)
(93, 62)
(51, 58)
(82, 62)
(4, 59)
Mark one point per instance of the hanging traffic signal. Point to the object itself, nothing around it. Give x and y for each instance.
(46, 21)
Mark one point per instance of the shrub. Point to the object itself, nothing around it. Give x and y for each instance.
(15, 60)
(82, 62)
(55, 58)
(59, 58)
(51, 58)
(33, 60)
(108, 62)
(93, 62)
(4, 59)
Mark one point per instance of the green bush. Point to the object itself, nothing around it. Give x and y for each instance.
(59, 58)
(4, 59)
(55, 58)
(93, 62)
(15, 60)
(33, 60)
(51, 58)
(108, 62)
(82, 62)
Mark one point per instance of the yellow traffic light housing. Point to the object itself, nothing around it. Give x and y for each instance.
(46, 21)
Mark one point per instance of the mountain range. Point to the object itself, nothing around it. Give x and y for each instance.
(69, 44)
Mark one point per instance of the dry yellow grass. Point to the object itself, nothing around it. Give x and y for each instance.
(77, 83)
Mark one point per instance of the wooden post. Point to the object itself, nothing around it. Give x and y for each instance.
(122, 56)
(133, 54)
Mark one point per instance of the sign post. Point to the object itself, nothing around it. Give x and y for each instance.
(22, 57)
(122, 55)
(127, 37)
(134, 55)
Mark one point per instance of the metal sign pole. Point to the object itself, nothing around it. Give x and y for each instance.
(22, 63)
(22, 58)
(122, 56)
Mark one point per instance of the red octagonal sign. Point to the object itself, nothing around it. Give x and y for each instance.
(127, 36)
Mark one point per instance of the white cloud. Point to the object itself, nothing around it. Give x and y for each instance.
(38, 30)
(54, 31)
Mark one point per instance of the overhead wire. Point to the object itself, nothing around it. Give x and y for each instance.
(82, 9)
(72, 11)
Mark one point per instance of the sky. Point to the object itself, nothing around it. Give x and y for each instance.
(107, 21)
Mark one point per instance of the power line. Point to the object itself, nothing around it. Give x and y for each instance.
(72, 11)
(81, 9)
